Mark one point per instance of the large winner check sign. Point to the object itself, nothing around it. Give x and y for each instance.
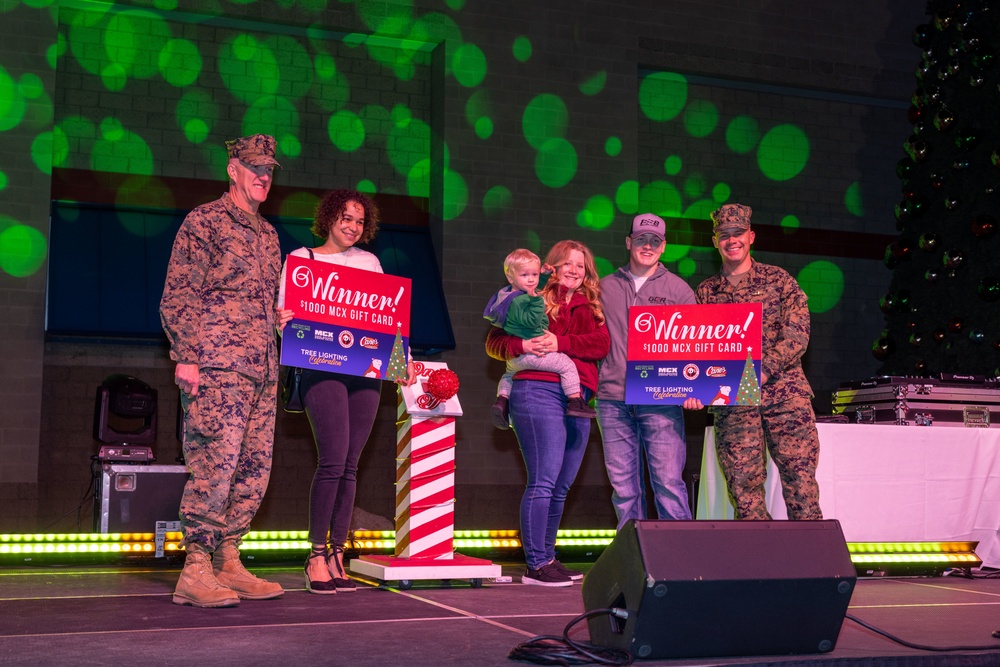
(710, 352)
(346, 320)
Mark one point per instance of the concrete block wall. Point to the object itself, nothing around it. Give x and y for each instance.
(848, 50)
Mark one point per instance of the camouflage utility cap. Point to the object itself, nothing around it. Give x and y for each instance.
(256, 150)
(731, 217)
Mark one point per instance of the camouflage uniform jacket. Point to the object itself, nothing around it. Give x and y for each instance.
(785, 325)
(218, 304)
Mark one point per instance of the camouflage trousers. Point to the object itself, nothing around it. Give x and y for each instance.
(788, 432)
(228, 440)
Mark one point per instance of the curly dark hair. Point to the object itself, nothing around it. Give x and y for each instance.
(332, 205)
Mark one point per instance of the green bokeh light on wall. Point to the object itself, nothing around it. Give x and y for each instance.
(22, 248)
(478, 112)
(497, 200)
(3, 181)
(196, 113)
(407, 145)
(346, 131)
(114, 77)
(694, 186)
(556, 163)
(594, 84)
(43, 151)
(418, 179)
(279, 117)
(789, 224)
(721, 192)
(613, 146)
(604, 267)
(456, 195)
(484, 128)
(521, 49)
(180, 62)
(783, 152)
(823, 283)
(366, 186)
(130, 39)
(853, 201)
(701, 118)
(12, 104)
(662, 95)
(627, 197)
(545, 117)
(686, 267)
(660, 198)
(248, 69)
(120, 150)
(469, 65)
(742, 134)
(598, 213)
(701, 210)
(672, 165)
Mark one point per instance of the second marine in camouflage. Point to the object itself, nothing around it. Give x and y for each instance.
(785, 422)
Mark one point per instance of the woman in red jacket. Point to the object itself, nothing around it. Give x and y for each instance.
(551, 442)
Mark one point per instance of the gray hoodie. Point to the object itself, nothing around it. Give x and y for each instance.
(663, 288)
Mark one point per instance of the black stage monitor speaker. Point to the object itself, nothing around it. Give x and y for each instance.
(696, 589)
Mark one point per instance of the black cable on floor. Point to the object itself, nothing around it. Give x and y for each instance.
(553, 650)
(923, 647)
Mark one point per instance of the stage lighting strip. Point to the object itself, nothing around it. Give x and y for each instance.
(866, 553)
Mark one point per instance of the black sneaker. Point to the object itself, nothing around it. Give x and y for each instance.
(577, 407)
(546, 575)
(574, 575)
(501, 415)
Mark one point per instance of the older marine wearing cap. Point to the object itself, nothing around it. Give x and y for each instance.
(219, 313)
(784, 422)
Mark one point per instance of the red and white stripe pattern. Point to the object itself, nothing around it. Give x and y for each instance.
(425, 486)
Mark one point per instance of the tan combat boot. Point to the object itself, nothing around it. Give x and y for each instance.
(231, 573)
(198, 586)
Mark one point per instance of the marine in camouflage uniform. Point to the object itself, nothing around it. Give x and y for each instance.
(219, 313)
(785, 422)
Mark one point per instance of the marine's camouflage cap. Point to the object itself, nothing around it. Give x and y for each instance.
(256, 150)
(731, 217)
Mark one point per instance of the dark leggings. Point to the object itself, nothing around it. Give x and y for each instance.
(341, 410)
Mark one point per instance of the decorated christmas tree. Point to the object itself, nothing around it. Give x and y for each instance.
(397, 360)
(749, 390)
(942, 307)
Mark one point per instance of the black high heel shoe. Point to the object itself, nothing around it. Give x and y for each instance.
(340, 580)
(319, 587)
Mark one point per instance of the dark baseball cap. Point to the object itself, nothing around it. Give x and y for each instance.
(256, 150)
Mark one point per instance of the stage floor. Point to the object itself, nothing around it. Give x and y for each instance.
(120, 613)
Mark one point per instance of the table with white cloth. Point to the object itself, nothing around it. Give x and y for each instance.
(888, 483)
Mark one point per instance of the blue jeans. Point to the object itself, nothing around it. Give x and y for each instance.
(552, 445)
(654, 433)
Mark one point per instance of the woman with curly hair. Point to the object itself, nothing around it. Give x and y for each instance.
(552, 442)
(341, 408)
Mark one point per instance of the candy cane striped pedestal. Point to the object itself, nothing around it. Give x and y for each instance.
(425, 495)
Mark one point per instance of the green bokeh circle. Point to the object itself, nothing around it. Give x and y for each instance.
(823, 283)
(556, 163)
(456, 195)
(853, 201)
(521, 49)
(180, 62)
(497, 200)
(662, 95)
(346, 131)
(22, 248)
(545, 117)
(469, 65)
(627, 197)
(613, 146)
(598, 213)
(673, 165)
(701, 118)
(742, 134)
(783, 152)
